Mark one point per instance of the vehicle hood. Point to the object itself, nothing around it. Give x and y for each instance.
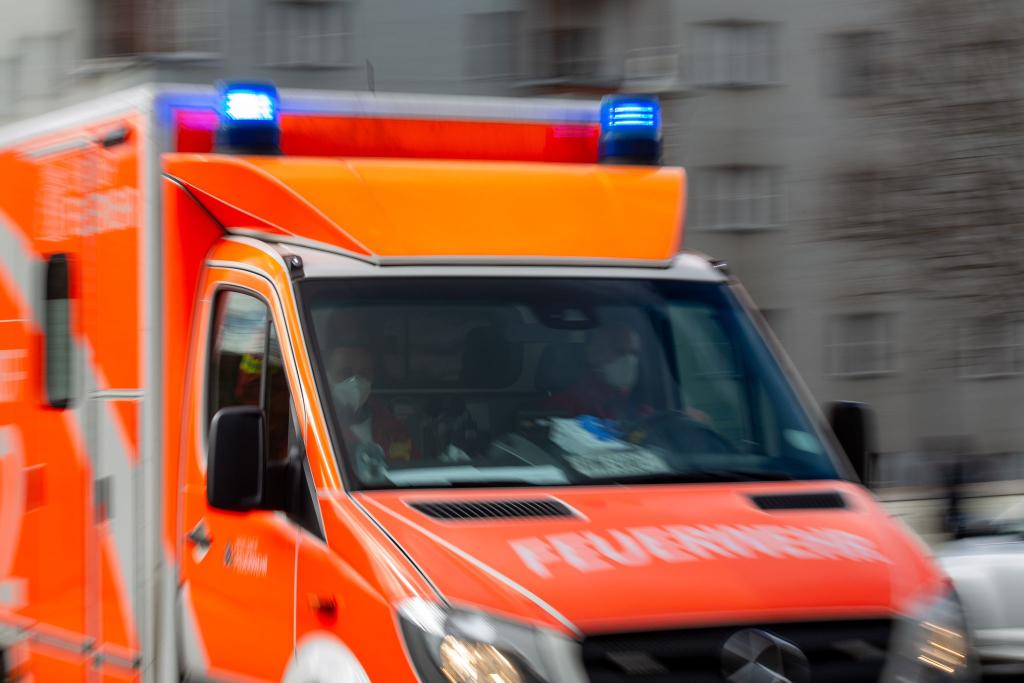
(641, 557)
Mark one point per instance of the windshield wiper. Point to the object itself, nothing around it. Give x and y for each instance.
(699, 477)
(487, 483)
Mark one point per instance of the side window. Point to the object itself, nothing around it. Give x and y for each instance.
(239, 347)
(716, 381)
(246, 366)
(277, 401)
(710, 371)
(58, 364)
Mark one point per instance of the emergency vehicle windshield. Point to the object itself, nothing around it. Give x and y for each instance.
(442, 382)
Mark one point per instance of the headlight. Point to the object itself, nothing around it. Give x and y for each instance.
(463, 646)
(934, 645)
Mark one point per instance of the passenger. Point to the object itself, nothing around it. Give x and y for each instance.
(606, 389)
(247, 382)
(365, 419)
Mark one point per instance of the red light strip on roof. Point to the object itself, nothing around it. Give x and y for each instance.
(416, 138)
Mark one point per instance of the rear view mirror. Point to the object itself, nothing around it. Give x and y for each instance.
(237, 459)
(851, 423)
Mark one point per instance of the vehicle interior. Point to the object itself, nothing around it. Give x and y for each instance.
(496, 377)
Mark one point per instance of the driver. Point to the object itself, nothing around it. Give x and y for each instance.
(606, 389)
(365, 420)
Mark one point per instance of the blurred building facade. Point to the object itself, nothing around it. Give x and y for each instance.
(769, 105)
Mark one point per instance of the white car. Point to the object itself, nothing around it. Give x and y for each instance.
(987, 568)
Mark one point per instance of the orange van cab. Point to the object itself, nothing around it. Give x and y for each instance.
(463, 416)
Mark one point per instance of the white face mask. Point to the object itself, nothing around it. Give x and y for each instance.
(351, 393)
(623, 372)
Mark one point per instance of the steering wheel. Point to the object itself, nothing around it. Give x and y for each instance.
(679, 434)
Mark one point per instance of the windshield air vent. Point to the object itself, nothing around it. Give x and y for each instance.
(815, 500)
(493, 509)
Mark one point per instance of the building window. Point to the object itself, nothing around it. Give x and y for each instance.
(117, 28)
(737, 197)
(991, 347)
(861, 344)
(860, 63)
(736, 54)
(567, 54)
(193, 26)
(58, 363)
(311, 33)
(492, 44)
(124, 28)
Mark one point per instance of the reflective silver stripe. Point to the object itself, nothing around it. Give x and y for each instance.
(59, 148)
(430, 107)
(563, 261)
(104, 657)
(302, 242)
(115, 394)
(76, 115)
(231, 265)
(68, 641)
(54, 636)
(535, 599)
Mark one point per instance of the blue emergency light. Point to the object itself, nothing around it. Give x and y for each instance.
(630, 130)
(250, 120)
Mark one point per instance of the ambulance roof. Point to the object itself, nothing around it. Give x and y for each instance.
(402, 209)
(321, 263)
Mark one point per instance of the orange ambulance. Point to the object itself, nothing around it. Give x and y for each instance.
(344, 388)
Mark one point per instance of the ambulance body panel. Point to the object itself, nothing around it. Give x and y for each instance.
(152, 290)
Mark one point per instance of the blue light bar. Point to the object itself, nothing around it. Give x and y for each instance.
(249, 119)
(246, 105)
(630, 129)
(632, 115)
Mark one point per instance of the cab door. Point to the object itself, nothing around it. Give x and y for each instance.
(237, 599)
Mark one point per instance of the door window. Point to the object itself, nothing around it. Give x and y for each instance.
(246, 366)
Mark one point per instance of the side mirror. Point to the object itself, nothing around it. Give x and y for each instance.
(851, 423)
(237, 459)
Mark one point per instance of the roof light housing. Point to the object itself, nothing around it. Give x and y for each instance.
(250, 118)
(630, 130)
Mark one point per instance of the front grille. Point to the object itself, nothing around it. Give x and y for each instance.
(837, 652)
(493, 509)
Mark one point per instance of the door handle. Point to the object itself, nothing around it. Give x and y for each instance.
(324, 605)
(199, 536)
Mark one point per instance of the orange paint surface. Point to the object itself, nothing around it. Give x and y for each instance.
(402, 208)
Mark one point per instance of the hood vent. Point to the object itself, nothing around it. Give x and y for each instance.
(493, 509)
(814, 500)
